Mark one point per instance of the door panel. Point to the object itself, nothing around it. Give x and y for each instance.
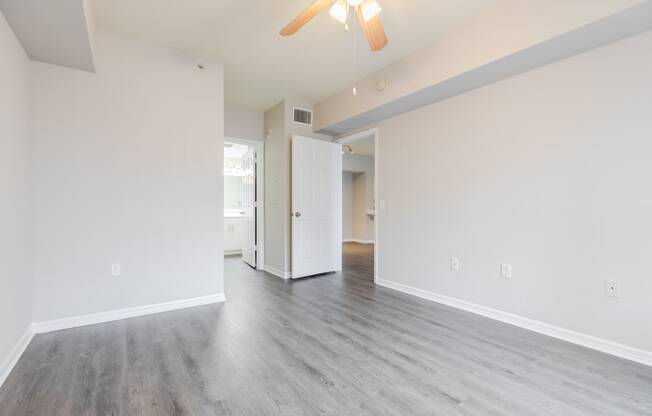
(249, 208)
(316, 206)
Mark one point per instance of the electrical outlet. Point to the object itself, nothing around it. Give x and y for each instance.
(455, 264)
(506, 271)
(611, 289)
(116, 269)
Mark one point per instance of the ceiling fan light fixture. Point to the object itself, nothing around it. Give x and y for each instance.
(340, 11)
(355, 3)
(370, 9)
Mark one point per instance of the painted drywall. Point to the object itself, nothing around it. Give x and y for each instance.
(127, 168)
(363, 228)
(548, 171)
(503, 29)
(275, 188)
(279, 129)
(347, 206)
(244, 124)
(360, 207)
(15, 282)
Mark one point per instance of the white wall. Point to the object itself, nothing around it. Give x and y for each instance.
(244, 124)
(363, 228)
(127, 168)
(549, 171)
(360, 207)
(347, 206)
(275, 189)
(15, 283)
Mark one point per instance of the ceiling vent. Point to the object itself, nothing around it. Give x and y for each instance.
(302, 116)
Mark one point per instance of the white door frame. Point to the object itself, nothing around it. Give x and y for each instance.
(379, 204)
(260, 195)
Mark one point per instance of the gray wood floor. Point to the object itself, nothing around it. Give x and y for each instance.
(330, 345)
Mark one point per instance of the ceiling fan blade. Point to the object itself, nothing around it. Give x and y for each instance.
(374, 31)
(307, 15)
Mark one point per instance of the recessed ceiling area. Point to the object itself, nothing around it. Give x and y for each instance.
(261, 67)
(53, 32)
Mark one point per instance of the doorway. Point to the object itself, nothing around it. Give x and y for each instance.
(244, 201)
(360, 203)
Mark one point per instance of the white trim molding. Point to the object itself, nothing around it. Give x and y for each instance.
(276, 272)
(10, 362)
(118, 314)
(578, 338)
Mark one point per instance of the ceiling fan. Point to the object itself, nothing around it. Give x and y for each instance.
(367, 11)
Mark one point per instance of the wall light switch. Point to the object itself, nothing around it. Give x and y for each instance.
(381, 205)
(455, 264)
(506, 271)
(116, 269)
(611, 289)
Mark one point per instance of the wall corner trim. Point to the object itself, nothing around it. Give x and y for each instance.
(608, 347)
(14, 355)
(279, 273)
(118, 314)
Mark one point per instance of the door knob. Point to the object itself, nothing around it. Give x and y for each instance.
(297, 214)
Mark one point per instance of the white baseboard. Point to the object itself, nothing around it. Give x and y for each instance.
(115, 315)
(588, 341)
(276, 272)
(14, 355)
(232, 252)
(357, 240)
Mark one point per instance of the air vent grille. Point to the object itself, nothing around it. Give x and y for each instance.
(302, 116)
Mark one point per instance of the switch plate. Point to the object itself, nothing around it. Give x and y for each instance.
(455, 264)
(381, 205)
(611, 289)
(506, 271)
(116, 269)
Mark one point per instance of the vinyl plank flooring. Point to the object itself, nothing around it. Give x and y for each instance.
(329, 345)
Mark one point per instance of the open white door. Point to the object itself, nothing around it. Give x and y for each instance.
(249, 207)
(316, 207)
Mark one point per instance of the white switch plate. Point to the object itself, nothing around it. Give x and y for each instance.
(116, 269)
(455, 264)
(506, 271)
(611, 289)
(381, 205)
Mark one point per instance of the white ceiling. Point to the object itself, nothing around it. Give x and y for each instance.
(262, 67)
